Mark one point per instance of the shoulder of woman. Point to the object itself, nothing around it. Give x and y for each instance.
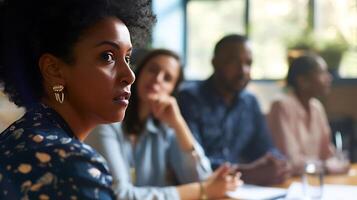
(280, 102)
(56, 168)
(51, 155)
(163, 130)
(107, 129)
(316, 103)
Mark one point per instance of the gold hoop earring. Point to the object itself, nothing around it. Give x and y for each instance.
(59, 94)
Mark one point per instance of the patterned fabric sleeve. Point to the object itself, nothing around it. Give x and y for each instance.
(55, 173)
(40, 158)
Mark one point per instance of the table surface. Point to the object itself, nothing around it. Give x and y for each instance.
(342, 179)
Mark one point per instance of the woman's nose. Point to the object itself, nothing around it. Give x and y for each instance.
(159, 77)
(126, 75)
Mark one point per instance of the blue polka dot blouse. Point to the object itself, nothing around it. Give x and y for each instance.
(40, 158)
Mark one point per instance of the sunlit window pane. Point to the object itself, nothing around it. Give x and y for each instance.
(208, 21)
(168, 32)
(273, 24)
(338, 18)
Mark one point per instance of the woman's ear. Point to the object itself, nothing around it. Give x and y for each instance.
(51, 69)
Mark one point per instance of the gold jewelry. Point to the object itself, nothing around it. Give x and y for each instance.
(133, 175)
(203, 193)
(59, 94)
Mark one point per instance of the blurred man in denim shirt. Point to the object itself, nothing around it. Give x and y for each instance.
(227, 120)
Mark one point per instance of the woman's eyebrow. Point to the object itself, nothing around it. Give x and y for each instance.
(113, 44)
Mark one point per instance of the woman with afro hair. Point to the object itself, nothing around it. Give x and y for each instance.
(67, 63)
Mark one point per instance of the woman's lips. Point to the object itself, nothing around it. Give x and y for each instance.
(122, 98)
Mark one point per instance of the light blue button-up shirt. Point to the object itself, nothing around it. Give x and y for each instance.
(157, 158)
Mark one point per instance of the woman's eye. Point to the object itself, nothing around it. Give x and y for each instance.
(167, 78)
(127, 59)
(108, 57)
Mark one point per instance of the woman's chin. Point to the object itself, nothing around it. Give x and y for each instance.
(117, 117)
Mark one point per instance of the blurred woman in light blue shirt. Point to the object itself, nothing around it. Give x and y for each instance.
(152, 154)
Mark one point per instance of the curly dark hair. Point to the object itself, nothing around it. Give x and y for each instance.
(31, 28)
(131, 123)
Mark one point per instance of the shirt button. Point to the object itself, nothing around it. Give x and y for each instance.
(226, 152)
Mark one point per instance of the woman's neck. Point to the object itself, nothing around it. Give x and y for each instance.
(304, 99)
(79, 125)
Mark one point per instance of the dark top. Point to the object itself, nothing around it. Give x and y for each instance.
(40, 158)
(235, 133)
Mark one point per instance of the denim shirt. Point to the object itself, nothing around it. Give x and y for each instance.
(40, 158)
(157, 158)
(237, 133)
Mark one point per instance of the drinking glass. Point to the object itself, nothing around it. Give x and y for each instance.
(343, 157)
(313, 179)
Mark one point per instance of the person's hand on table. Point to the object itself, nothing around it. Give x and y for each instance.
(222, 180)
(267, 170)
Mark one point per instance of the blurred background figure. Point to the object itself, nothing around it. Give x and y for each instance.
(226, 119)
(298, 120)
(153, 149)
